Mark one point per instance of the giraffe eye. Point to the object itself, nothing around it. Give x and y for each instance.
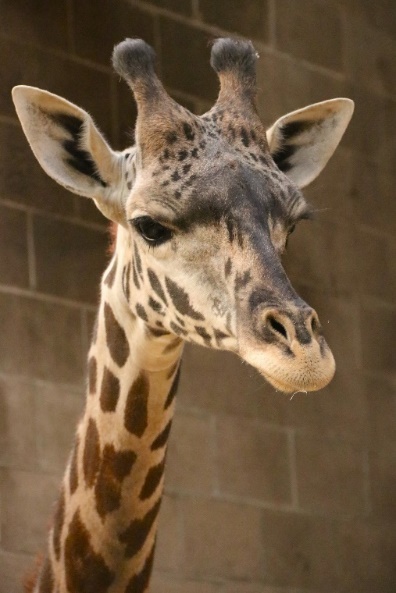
(152, 232)
(291, 229)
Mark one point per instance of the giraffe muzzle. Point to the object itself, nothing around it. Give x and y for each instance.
(289, 349)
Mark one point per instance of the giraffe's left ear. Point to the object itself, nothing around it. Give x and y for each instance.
(70, 148)
(303, 141)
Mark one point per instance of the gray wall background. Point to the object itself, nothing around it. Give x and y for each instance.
(263, 494)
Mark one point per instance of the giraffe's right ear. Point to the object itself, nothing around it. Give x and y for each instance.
(70, 148)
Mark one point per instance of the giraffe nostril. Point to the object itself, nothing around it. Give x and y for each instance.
(315, 325)
(277, 326)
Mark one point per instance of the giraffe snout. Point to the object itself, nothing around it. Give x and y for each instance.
(298, 327)
(289, 348)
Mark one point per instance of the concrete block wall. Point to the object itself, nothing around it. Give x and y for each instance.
(263, 494)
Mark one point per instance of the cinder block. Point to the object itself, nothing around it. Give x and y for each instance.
(40, 339)
(190, 459)
(249, 18)
(285, 85)
(370, 56)
(97, 29)
(189, 70)
(252, 461)
(219, 382)
(38, 22)
(18, 446)
(378, 328)
(57, 412)
(330, 194)
(382, 482)
(310, 30)
(182, 6)
(66, 254)
(23, 180)
(316, 255)
(169, 552)
(372, 195)
(27, 502)
(380, 395)
(300, 551)
(367, 554)
(376, 268)
(330, 476)
(366, 130)
(13, 568)
(222, 540)
(164, 584)
(58, 74)
(13, 248)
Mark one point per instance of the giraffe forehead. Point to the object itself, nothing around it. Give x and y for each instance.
(218, 184)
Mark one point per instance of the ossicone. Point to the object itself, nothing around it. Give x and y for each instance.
(233, 55)
(133, 59)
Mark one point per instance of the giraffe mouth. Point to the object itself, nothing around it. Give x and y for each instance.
(310, 370)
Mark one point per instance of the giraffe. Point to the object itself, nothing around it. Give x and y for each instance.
(203, 207)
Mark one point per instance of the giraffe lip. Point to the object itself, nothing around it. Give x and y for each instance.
(310, 373)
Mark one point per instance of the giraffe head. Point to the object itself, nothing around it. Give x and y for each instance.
(204, 207)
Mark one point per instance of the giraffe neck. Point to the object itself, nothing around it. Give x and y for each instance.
(106, 520)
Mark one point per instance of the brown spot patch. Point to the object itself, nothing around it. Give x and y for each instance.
(141, 312)
(92, 375)
(172, 345)
(172, 370)
(46, 581)
(153, 478)
(156, 285)
(138, 531)
(136, 407)
(162, 438)
(58, 525)
(115, 466)
(91, 457)
(86, 571)
(109, 391)
(73, 472)
(173, 389)
(181, 300)
(110, 276)
(117, 342)
(139, 582)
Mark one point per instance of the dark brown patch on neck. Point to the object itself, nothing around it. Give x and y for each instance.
(58, 525)
(152, 480)
(136, 407)
(85, 569)
(162, 439)
(91, 457)
(109, 391)
(138, 531)
(115, 466)
(117, 342)
(173, 389)
(92, 375)
(46, 582)
(140, 581)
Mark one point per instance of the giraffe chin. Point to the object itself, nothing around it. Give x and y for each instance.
(305, 373)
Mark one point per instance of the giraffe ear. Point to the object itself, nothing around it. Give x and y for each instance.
(70, 148)
(303, 141)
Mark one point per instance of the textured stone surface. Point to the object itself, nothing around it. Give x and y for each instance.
(264, 493)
